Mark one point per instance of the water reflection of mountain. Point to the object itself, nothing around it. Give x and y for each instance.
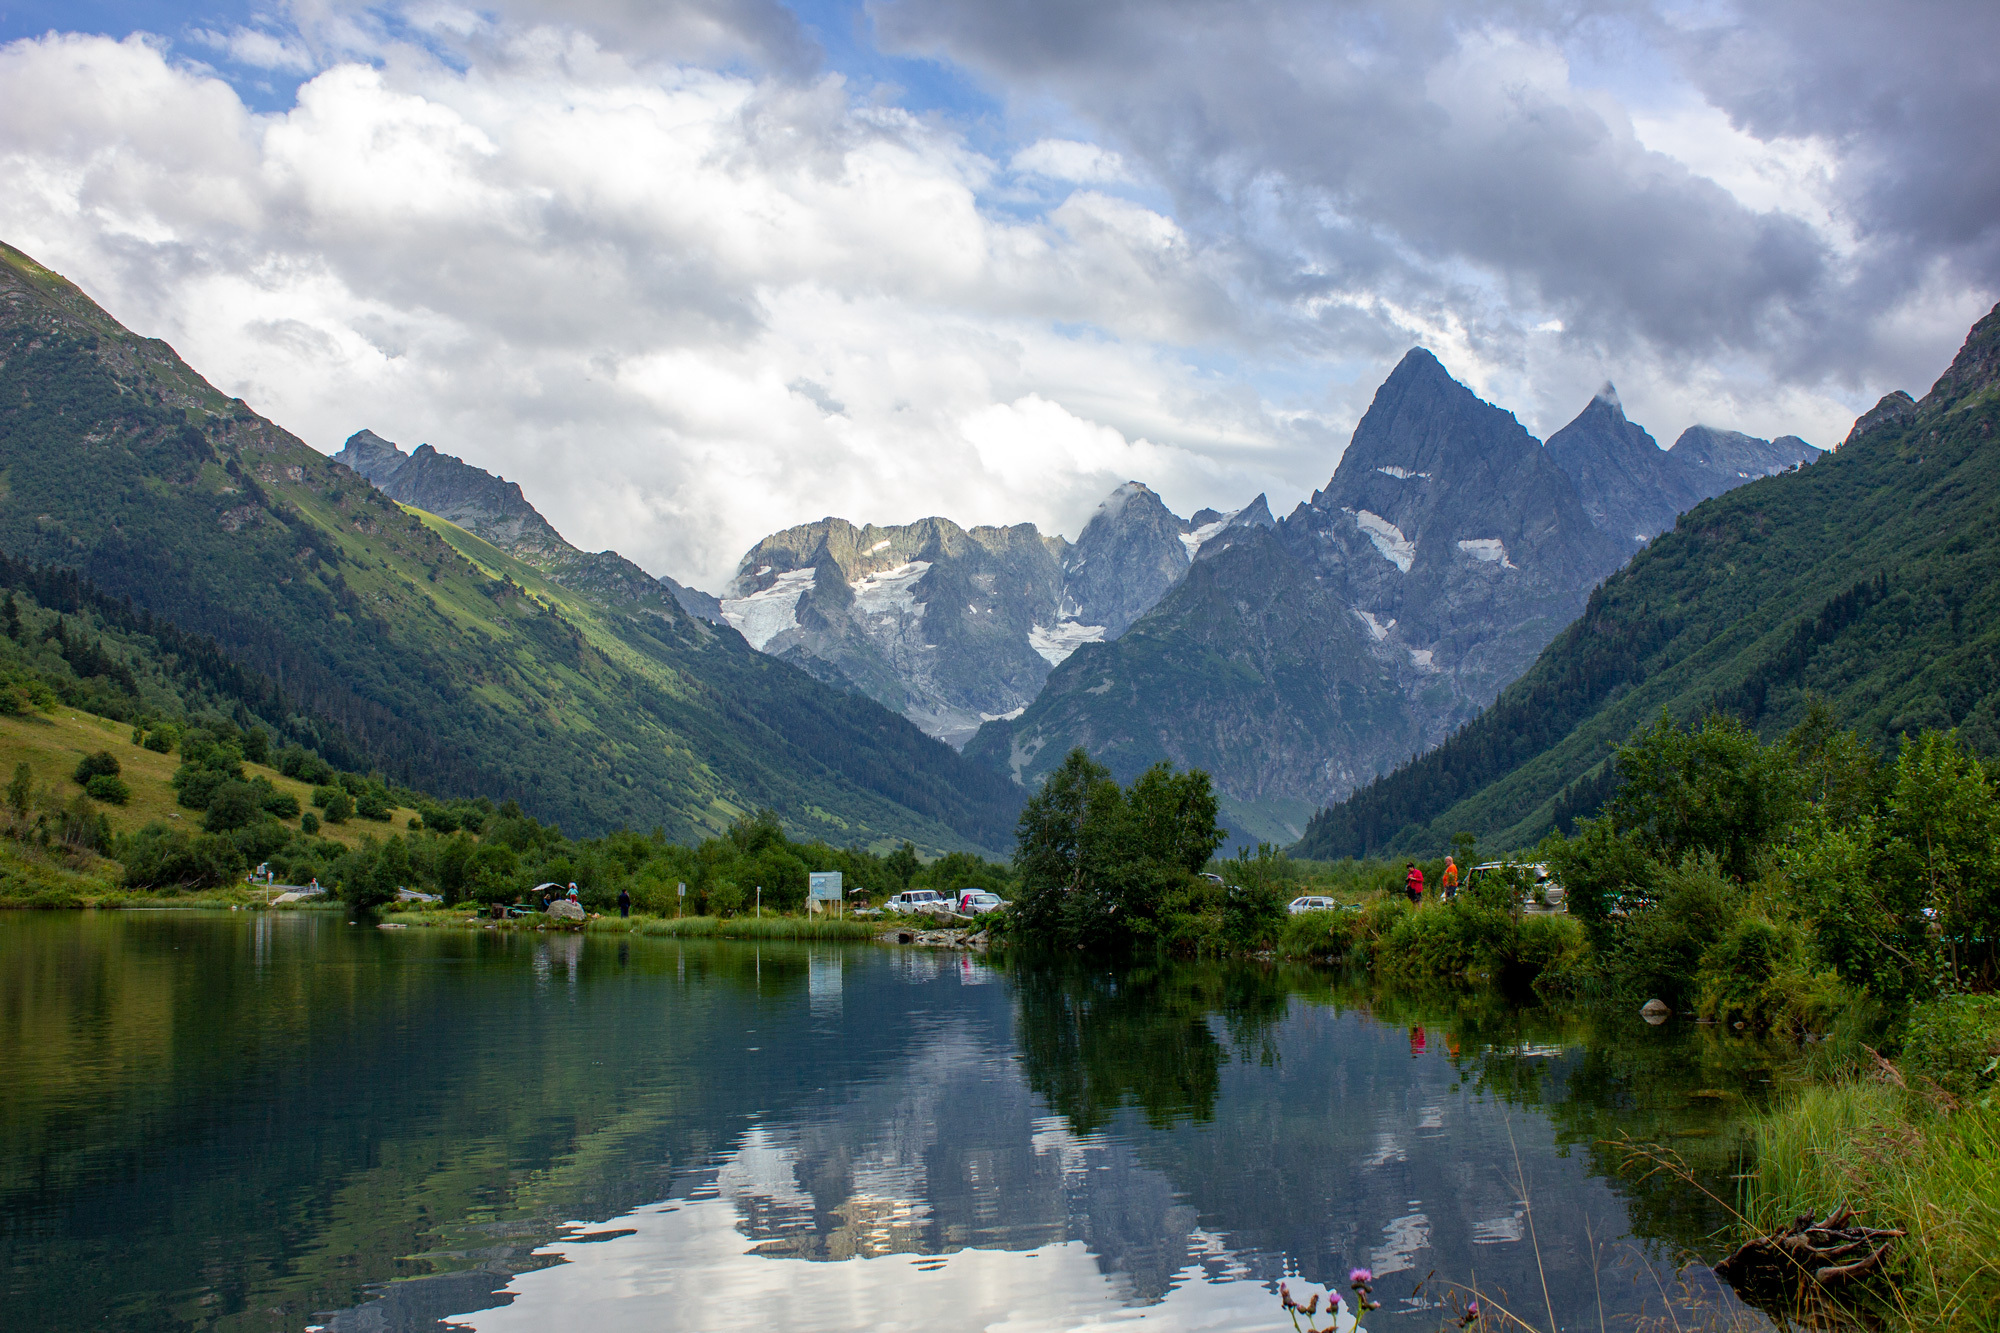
(231, 1125)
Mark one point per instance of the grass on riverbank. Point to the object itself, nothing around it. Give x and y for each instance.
(741, 927)
(1900, 1161)
(767, 927)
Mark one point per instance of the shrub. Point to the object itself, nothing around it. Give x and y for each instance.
(161, 740)
(373, 803)
(80, 827)
(101, 764)
(282, 804)
(492, 874)
(1955, 1043)
(338, 804)
(309, 823)
(1445, 940)
(438, 819)
(1545, 952)
(1657, 950)
(109, 789)
(232, 805)
(157, 857)
(260, 840)
(1326, 936)
(195, 786)
(724, 898)
(302, 765)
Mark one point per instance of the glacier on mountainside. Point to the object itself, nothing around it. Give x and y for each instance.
(1065, 637)
(764, 615)
(891, 592)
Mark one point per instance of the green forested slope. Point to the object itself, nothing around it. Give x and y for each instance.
(118, 461)
(1871, 578)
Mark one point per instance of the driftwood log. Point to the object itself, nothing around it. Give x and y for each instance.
(1830, 1251)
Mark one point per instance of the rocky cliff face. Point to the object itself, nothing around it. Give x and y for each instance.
(1632, 489)
(1452, 535)
(1301, 659)
(494, 509)
(956, 628)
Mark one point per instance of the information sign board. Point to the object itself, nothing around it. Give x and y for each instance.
(823, 886)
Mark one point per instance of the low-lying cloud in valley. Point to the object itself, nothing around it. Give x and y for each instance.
(694, 273)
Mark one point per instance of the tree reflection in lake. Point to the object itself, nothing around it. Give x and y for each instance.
(237, 1122)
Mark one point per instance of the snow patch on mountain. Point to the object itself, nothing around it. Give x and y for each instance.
(1488, 550)
(1403, 473)
(1421, 659)
(1378, 630)
(1065, 637)
(882, 545)
(768, 612)
(891, 592)
(1397, 549)
(1193, 540)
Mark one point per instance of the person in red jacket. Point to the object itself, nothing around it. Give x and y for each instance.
(1413, 884)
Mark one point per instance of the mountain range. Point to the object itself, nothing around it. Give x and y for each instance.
(515, 667)
(1299, 660)
(954, 627)
(1869, 581)
(422, 609)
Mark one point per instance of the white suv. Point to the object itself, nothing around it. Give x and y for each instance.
(974, 902)
(917, 900)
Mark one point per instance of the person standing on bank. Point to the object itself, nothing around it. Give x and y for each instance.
(1448, 881)
(1413, 884)
(625, 902)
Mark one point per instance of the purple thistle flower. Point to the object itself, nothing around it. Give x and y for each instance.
(1361, 1276)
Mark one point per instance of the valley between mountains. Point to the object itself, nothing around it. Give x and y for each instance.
(880, 682)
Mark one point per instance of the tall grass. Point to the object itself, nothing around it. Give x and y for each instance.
(1882, 1150)
(740, 927)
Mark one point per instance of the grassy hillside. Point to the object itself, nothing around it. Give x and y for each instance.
(118, 461)
(51, 745)
(1870, 578)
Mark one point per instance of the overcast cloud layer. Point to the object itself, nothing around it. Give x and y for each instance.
(694, 273)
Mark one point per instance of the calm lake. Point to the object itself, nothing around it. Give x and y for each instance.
(253, 1121)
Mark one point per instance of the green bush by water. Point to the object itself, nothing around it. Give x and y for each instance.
(1954, 1043)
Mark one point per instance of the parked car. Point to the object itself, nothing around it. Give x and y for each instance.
(1536, 886)
(917, 900)
(1311, 902)
(973, 902)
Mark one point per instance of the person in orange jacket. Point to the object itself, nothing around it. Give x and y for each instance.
(1448, 881)
(1413, 884)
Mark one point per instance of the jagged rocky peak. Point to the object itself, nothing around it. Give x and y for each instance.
(372, 456)
(1210, 533)
(453, 489)
(1728, 458)
(1632, 489)
(1130, 552)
